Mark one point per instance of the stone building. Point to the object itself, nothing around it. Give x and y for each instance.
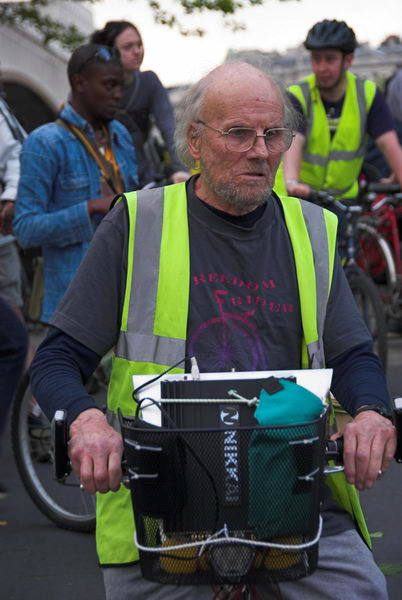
(376, 64)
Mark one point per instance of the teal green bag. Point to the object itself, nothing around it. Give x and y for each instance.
(283, 501)
(289, 404)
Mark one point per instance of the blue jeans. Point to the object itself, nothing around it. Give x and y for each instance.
(13, 348)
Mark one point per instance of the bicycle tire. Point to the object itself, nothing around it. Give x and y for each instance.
(375, 255)
(371, 309)
(66, 505)
(375, 251)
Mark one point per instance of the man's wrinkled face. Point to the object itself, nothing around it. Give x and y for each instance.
(239, 181)
(101, 90)
(329, 67)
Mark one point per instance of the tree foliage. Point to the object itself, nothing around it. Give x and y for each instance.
(31, 14)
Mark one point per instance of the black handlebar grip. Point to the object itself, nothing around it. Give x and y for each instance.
(334, 450)
(62, 464)
(397, 402)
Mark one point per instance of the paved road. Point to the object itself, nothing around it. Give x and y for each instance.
(41, 562)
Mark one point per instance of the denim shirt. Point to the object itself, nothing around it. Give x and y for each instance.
(58, 177)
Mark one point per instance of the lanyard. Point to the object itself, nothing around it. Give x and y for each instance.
(107, 164)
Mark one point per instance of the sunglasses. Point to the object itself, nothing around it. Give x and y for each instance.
(101, 54)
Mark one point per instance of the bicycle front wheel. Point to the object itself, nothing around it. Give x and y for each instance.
(371, 309)
(63, 503)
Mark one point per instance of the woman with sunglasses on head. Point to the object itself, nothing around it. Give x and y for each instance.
(144, 97)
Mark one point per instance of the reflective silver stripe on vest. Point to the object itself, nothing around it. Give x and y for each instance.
(316, 354)
(361, 101)
(316, 227)
(140, 347)
(322, 161)
(305, 89)
(139, 343)
(315, 159)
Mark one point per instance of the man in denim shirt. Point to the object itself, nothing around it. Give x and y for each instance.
(72, 168)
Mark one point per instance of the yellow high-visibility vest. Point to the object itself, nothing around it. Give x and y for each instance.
(334, 164)
(154, 323)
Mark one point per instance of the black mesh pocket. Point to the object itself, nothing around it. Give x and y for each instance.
(157, 472)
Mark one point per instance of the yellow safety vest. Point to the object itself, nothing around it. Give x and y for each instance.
(334, 164)
(154, 322)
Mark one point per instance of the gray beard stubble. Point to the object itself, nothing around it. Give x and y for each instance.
(233, 196)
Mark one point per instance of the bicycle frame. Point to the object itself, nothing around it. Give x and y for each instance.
(368, 299)
(386, 222)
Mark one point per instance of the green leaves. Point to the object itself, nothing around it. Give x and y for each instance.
(29, 14)
(69, 37)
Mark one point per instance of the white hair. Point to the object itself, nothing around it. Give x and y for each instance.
(191, 105)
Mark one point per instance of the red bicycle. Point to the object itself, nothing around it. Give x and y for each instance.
(364, 290)
(379, 243)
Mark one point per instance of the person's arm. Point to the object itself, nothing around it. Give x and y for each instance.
(58, 373)
(38, 219)
(358, 380)
(389, 145)
(293, 157)
(10, 149)
(291, 168)
(85, 326)
(381, 127)
(163, 113)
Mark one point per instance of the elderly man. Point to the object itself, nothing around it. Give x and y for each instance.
(223, 237)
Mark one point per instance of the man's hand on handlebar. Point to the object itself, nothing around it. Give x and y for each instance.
(95, 450)
(369, 446)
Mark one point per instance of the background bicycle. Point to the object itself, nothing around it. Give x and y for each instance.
(66, 504)
(379, 244)
(364, 290)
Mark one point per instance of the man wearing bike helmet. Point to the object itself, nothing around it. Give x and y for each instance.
(152, 286)
(338, 110)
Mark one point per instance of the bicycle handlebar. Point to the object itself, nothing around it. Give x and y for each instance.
(333, 448)
(383, 188)
(62, 463)
(325, 199)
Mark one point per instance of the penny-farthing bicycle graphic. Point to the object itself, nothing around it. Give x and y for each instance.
(227, 339)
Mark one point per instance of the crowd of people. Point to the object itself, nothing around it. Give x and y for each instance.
(138, 270)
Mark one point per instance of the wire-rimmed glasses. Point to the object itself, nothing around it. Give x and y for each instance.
(242, 139)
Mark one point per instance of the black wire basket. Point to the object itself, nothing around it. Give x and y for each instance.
(226, 506)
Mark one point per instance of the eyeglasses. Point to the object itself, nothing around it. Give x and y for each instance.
(242, 139)
(101, 54)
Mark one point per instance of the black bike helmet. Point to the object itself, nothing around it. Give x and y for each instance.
(331, 34)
